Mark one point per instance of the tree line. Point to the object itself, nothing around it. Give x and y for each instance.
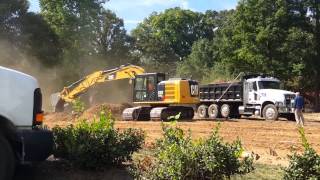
(277, 37)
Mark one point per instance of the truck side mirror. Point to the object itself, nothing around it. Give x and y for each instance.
(281, 85)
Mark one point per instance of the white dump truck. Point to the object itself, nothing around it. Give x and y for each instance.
(22, 140)
(254, 94)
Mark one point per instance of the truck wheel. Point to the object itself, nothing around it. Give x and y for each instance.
(202, 111)
(213, 111)
(7, 161)
(270, 112)
(225, 110)
(235, 112)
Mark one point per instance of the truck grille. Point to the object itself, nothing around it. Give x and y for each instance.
(288, 99)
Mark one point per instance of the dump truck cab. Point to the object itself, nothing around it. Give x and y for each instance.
(263, 90)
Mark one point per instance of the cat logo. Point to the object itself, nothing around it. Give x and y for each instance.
(194, 90)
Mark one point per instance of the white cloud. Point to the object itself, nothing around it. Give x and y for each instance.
(156, 2)
(130, 5)
(134, 11)
(132, 21)
(185, 5)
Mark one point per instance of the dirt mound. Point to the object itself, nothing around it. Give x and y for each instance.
(66, 118)
(115, 109)
(61, 116)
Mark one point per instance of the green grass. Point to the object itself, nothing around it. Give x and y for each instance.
(262, 171)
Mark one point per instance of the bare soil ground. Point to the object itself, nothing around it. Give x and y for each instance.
(273, 141)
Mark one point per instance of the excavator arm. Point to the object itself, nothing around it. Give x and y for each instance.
(76, 89)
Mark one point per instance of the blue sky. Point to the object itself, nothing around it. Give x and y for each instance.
(134, 11)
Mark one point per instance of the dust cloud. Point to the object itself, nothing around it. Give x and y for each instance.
(51, 81)
(48, 79)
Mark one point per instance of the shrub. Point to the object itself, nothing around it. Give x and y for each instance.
(305, 166)
(78, 106)
(93, 145)
(176, 156)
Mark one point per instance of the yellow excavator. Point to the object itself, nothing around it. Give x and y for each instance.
(71, 93)
(155, 97)
(160, 99)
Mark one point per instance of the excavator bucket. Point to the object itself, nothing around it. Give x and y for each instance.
(57, 103)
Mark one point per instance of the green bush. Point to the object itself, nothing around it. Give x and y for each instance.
(305, 166)
(97, 144)
(176, 156)
(78, 106)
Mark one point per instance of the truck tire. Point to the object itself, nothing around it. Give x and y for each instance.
(270, 112)
(202, 111)
(213, 111)
(225, 110)
(235, 112)
(7, 160)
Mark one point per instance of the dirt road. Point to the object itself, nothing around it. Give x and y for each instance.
(271, 140)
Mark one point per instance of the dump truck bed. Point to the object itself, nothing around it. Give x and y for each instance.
(221, 91)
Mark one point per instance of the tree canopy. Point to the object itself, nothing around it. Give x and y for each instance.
(168, 37)
(278, 37)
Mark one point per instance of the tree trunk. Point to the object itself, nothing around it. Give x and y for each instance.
(316, 104)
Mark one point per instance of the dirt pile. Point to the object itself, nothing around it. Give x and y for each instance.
(66, 118)
(115, 109)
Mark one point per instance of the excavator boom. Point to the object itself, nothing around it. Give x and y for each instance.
(73, 91)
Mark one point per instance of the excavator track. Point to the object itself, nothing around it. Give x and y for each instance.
(158, 113)
(171, 113)
(140, 113)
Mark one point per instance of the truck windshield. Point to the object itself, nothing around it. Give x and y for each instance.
(269, 85)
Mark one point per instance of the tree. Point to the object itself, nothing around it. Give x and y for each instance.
(310, 77)
(27, 34)
(92, 37)
(10, 13)
(168, 37)
(38, 40)
(204, 55)
(276, 37)
(259, 37)
(112, 40)
(74, 21)
(199, 62)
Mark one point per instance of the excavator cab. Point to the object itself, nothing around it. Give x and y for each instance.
(145, 87)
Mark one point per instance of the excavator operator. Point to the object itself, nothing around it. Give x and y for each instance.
(152, 91)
